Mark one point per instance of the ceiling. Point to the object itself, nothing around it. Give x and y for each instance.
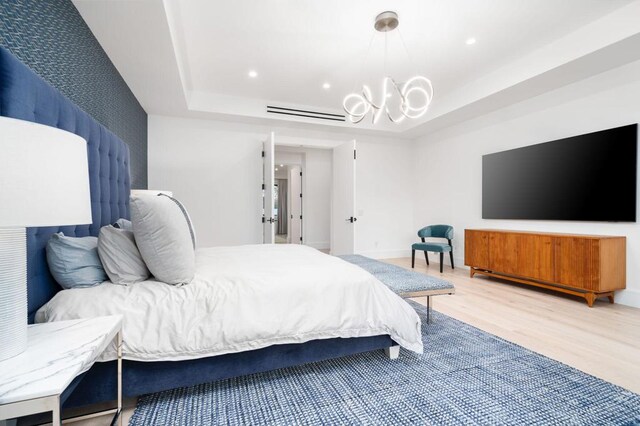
(193, 57)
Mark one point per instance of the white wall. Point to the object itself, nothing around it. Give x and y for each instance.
(215, 168)
(448, 166)
(385, 195)
(282, 173)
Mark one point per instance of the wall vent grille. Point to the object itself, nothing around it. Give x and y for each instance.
(271, 109)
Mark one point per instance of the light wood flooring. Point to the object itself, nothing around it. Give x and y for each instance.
(603, 341)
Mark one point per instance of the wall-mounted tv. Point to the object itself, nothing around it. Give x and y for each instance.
(591, 177)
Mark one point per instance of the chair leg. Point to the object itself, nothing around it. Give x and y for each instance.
(451, 254)
(413, 258)
(426, 257)
(441, 260)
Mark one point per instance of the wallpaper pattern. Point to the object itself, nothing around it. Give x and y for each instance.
(51, 38)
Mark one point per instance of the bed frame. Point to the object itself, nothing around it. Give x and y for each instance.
(26, 96)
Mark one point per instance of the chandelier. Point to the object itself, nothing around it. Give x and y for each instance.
(398, 101)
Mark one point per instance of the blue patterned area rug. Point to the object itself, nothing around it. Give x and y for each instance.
(465, 376)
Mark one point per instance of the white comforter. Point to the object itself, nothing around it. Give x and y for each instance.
(244, 298)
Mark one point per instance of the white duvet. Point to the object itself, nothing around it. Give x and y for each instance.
(244, 298)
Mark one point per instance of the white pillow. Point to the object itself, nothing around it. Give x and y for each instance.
(164, 239)
(123, 223)
(120, 256)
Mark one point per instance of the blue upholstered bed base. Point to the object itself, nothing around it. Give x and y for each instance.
(24, 95)
(147, 377)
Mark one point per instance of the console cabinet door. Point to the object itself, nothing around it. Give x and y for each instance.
(577, 262)
(523, 255)
(503, 252)
(476, 248)
(535, 257)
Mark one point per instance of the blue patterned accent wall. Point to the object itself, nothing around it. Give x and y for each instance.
(52, 39)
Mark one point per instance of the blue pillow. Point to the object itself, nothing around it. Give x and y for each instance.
(74, 262)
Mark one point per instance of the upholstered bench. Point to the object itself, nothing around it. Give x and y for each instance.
(401, 281)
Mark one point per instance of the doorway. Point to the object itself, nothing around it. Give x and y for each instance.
(306, 172)
(287, 192)
(318, 184)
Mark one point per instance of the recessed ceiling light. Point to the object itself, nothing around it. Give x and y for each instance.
(471, 41)
(253, 73)
(281, 165)
(326, 86)
(276, 169)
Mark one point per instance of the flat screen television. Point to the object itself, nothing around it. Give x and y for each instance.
(591, 177)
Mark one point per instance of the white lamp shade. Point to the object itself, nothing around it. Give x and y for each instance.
(44, 176)
(135, 192)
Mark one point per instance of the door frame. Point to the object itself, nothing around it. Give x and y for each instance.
(268, 185)
(290, 198)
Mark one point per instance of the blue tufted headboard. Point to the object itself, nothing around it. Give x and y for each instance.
(26, 96)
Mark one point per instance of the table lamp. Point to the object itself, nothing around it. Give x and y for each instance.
(44, 181)
(150, 192)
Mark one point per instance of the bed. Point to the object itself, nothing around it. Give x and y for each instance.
(26, 96)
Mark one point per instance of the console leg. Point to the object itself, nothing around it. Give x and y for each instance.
(392, 352)
(611, 298)
(590, 298)
(472, 272)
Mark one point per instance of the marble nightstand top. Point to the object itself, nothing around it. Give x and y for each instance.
(57, 352)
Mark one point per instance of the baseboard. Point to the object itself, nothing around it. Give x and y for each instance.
(628, 297)
(325, 245)
(399, 253)
(386, 254)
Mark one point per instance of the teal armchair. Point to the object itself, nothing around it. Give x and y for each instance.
(434, 231)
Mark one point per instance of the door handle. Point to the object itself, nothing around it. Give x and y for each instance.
(352, 219)
(271, 220)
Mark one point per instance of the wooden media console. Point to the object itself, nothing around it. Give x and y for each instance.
(588, 266)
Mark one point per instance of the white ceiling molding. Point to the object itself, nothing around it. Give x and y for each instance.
(177, 63)
(604, 44)
(172, 13)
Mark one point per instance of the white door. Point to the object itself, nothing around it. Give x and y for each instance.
(343, 199)
(268, 181)
(295, 207)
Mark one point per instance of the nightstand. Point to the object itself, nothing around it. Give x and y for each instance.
(57, 353)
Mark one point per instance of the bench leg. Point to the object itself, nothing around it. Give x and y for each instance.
(451, 254)
(426, 257)
(441, 261)
(428, 309)
(413, 258)
(392, 352)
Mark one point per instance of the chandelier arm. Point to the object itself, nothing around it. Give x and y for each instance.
(358, 105)
(366, 94)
